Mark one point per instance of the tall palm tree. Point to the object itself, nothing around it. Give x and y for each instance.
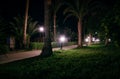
(78, 9)
(25, 24)
(47, 48)
(55, 6)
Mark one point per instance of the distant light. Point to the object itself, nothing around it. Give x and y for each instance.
(87, 39)
(93, 39)
(97, 40)
(109, 40)
(96, 33)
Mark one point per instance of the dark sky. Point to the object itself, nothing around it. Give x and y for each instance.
(12, 8)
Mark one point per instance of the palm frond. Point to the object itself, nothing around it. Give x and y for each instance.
(32, 28)
(69, 15)
(82, 7)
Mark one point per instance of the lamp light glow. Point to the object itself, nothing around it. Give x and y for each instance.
(41, 29)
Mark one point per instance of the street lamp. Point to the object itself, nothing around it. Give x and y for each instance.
(62, 39)
(41, 29)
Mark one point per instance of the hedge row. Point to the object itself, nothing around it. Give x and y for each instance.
(36, 45)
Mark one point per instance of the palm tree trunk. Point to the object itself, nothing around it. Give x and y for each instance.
(106, 41)
(28, 41)
(55, 27)
(25, 24)
(79, 33)
(47, 48)
(90, 39)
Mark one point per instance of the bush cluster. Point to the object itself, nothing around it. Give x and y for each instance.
(4, 49)
(35, 45)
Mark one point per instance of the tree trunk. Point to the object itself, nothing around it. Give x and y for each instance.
(28, 41)
(90, 39)
(106, 41)
(47, 48)
(55, 27)
(25, 24)
(79, 33)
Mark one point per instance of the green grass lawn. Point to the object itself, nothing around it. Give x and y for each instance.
(94, 62)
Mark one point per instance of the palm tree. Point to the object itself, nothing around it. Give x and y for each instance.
(78, 9)
(17, 31)
(47, 48)
(2, 26)
(55, 6)
(25, 24)
(4, 30)
(32, 28)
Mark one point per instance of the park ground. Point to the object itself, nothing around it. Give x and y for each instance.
(92, 62)
(19, 55)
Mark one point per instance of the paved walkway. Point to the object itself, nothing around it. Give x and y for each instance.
(22, 55)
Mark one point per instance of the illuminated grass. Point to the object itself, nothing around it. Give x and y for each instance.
(94, 62)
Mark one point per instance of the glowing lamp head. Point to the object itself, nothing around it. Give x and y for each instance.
(62, 39)
(41, 29)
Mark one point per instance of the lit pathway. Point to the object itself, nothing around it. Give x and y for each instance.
(22, 55)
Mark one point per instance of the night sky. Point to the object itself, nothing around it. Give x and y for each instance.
(12, 8)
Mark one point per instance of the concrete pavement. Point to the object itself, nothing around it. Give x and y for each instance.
(22, 55)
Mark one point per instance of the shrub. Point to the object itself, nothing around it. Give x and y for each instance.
(4, 49)
(39, 45)
(36, 45)
(57, 44)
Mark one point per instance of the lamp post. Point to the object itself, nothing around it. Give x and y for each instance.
(62, 39)
(41, 29)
